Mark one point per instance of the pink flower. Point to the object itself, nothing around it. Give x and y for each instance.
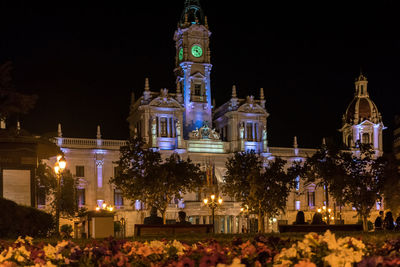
(186, 262)
(208, 261)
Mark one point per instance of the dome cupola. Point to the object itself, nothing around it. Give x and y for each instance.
(362, 120)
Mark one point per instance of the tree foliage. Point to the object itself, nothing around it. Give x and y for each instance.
(144, 176)
(391, 190)
(322, 169)
(264, 189)
(11, 101)
(363, 179)
(48, 181)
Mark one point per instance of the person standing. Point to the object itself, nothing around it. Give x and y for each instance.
(379, 221)
(388, 221)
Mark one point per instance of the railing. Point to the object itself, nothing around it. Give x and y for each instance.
(89, 143)
(302, 152)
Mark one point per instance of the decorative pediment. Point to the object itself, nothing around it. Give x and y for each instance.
(197, 75)
(164, 100)
(251, 107)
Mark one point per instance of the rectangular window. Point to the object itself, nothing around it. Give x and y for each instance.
(311, 198)
(297, 183)
(116, 171)
(80, 171)
(249, 131)
(197, 89)
(163, 127)
(118, 199)
(80, 196)
(297, 205)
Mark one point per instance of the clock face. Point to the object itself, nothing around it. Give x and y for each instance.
(197, 51)
(180, 54)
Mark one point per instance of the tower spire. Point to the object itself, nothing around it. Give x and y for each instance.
(192, 13)
(146, 93)
(361, 85)
(234, 91)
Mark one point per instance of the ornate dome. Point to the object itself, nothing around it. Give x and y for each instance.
(361, 108)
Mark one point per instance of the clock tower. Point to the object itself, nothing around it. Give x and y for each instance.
(193, 67)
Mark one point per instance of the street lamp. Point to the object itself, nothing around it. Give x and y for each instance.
(245, 212)
(213, 204)
(326, 213)
(58, 169)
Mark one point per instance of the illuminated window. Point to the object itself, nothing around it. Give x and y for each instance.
(297, 204)
(80, 171)
(311, 198)
(118, 199)
(139, 205)
(80, 196)
(297, 183)
(163, 127)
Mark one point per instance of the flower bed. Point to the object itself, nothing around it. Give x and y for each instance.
(313, 250)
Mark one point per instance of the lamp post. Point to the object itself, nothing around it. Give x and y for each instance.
(58, 169)
(123, 226)
(213, 204)
(326, 213)
(245, 212)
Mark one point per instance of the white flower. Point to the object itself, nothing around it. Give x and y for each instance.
(235, 263)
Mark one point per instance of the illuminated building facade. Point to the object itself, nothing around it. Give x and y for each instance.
(186, 122)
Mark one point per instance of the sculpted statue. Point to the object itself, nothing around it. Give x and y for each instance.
(178, 128)
(215, 135)
(264, 133)
(154, 126)
(241, 131)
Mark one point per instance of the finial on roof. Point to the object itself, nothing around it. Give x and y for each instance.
(234, 91)
(323, 142)
(146, 84)
(18, 126)
(59, 130)
(206, 22)
(295, 142)
(98, 135)
(178, 88)
(261, 93)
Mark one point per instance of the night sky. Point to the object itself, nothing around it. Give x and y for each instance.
(84, 58)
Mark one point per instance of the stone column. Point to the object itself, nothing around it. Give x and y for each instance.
(226, 218)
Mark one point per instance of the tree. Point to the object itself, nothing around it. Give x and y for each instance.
(144, 176)
(363, 179)
(46, 179)
(391, 189)
(11, 101)
(322, 170)
(263, 189)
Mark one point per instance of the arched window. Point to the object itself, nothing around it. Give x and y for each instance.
(365, 138)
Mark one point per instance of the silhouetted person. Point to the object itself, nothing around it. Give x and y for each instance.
(153, 218)
(317, 219)
(397, 228)
(182, 218)
(388, 221)
(379, 221)
(300, 218)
